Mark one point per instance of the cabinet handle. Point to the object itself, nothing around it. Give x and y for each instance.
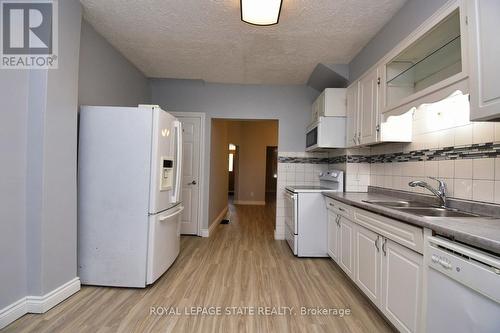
(359, 138)
(376, 244)
(338, 221)
(383, 246)
(331, 204)
(341, 209)
(377, 128)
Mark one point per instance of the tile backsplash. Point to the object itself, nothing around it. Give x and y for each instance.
(294, 168)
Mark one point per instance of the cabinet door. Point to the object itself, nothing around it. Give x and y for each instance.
(352, 115)
(368, 263)
(333, 236)
(321, 105)
(484, 53)
(401, 286)
(368, 107)
(314, 111)
(346, 246)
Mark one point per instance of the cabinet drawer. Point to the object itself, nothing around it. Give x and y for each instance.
(339, 208)
(407, 235)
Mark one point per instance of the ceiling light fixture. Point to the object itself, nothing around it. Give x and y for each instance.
(260, 12)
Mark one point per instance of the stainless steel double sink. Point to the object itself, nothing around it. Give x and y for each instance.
(421, 209)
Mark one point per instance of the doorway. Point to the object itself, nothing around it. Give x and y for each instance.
(271, 172)
(243, 164)
(233, 166)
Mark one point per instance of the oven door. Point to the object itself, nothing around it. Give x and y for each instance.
(291, 211)
(312, 138)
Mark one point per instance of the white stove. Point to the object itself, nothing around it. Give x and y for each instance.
(306, 216)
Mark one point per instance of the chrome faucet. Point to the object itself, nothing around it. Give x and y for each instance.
(440, 192)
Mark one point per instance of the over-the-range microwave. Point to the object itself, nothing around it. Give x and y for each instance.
(327, 132)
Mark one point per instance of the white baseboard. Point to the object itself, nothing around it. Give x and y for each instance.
(12, 312)
(38, 304)
(42, 304)
(204, 232)
(215, 222)
(247, 202)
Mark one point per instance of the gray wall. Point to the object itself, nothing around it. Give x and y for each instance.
(409, 17)
(290, 105)
(13, 118)
(38, 149)
(106, 76)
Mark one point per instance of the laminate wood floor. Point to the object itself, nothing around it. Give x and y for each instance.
(240, 265)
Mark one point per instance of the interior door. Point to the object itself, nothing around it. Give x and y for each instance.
(191, 129)
(368, 107)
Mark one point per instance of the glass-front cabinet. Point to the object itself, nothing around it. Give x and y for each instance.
(433, 60)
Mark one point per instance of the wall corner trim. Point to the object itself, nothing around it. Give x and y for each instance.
(217, 220)
(38, 304)
(278, 235)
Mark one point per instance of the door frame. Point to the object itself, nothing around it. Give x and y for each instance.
(202, 116)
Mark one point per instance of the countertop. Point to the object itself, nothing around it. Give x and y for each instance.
(312, 189)
(479, 232)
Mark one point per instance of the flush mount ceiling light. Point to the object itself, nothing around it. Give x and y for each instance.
(260, 12)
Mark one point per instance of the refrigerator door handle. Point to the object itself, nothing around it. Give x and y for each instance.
(178, 161)
(163, 218)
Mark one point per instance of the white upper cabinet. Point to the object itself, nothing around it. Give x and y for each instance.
(430, 64)
(368, 107)
(330, 103)
(352, 115)
(484, 52)
(365, 124)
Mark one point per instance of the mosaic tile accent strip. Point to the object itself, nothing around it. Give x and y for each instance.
(304, 160)
(474, 151)
(338, 159)
(358, 159)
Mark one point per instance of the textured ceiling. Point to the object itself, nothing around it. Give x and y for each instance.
(205, 39)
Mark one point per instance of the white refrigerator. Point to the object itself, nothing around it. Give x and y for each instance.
(129, 173)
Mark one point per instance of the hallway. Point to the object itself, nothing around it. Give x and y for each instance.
(241, 265)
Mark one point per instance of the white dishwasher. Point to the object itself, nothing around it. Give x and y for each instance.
(463, 291)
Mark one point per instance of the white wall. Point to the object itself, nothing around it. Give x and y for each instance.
(290, 105)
